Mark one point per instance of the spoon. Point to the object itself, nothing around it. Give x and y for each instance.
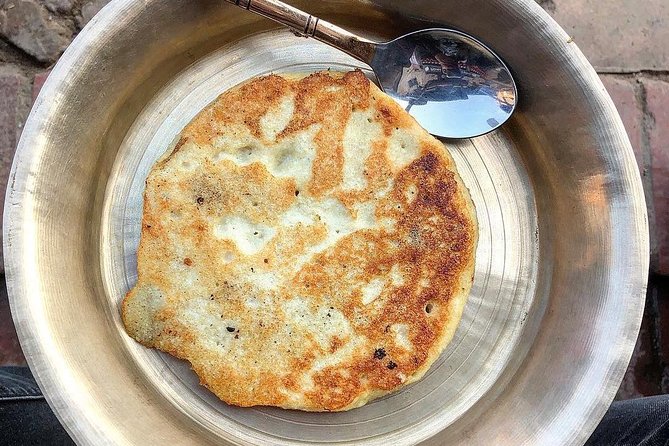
(452, 84)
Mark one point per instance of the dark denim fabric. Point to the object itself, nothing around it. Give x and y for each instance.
(17, 384)
(641, 422)
(25, 417)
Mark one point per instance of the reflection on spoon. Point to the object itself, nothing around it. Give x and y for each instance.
(450, 83)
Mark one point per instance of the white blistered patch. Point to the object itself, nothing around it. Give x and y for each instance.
(365, 217)
(411, 193)
(361, 131)
(276, 120)
(396, 276)
(401, 332)
(202, 316)
(372, 290)
(293, 157)
(250, 238)
(402, 149)
(263, 280)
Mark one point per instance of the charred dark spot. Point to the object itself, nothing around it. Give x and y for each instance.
(266, 260)
(379, 353)
(200, 201)
(458, 246)
(236, 336)
(385, 113)
(230, 329)
(391, 365)
(387, 329)
(188, 261)
(297, 192)
(428, 163)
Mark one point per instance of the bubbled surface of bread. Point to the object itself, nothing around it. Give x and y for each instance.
(305, 244)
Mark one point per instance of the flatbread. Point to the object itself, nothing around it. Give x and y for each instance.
(305, 244)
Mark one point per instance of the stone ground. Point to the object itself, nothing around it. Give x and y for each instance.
(626, 42)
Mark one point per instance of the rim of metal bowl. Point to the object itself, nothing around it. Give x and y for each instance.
(19, 279)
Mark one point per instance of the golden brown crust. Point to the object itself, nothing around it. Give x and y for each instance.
(317, 290)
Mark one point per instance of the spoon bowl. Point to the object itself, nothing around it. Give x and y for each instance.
(452, 84)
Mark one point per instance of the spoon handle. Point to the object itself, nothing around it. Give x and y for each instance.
(304, 24)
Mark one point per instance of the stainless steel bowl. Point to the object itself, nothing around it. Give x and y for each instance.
(561, 266)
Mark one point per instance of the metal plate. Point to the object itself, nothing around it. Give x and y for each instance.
(561, 263)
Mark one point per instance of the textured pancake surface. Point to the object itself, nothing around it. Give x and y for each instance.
(305, 244)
